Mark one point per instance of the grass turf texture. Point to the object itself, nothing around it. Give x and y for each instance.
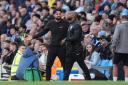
(64, 83)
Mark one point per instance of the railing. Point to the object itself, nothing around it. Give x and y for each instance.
(3, 74)
(0, 68)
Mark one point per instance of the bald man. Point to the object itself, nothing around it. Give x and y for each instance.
(74, 49)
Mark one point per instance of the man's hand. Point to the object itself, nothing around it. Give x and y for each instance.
(63, 41)
(113, 50)
(42, 67)
(5, 53)
(29, 37)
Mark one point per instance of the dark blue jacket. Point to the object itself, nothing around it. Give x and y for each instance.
(3, 28)
(19, 3)
(25, 18)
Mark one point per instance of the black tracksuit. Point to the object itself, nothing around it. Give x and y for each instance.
(58, 32)
(74, 50)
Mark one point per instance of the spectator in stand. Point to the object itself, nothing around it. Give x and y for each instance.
(120, 7)
(16, 61)
(8, 56)
(14, 35)
(24, 15)
(43, 58)
(3, 24)
(92, 56)
(85, 27)
(33, 4)
(60, 5)
(29, 59)
(45, 16)
(36, 24)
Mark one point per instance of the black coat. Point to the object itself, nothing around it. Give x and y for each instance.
(74, 34)
(73, 39)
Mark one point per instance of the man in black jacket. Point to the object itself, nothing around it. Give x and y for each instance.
(74, 50)
(58, 28)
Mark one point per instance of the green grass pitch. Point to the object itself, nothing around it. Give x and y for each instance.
(64, 83)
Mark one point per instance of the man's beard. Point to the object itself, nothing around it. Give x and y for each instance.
(70, 20)
(58, 18)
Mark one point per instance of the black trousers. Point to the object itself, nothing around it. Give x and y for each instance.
(98, 74)
(53, 52)
(14, 78)
(75, 56)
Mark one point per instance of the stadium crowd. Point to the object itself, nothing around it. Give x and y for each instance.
(92, 32)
